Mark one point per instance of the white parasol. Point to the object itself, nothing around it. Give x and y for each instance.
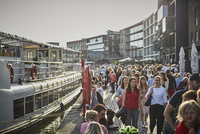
(194, 59)
(182, 62)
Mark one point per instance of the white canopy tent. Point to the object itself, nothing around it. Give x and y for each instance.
(147, 59)
(128, 58)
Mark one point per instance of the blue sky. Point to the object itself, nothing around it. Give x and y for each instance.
(68, 20)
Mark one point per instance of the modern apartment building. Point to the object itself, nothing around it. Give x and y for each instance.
(172, 29)
(194, 25)
(149, 34)
(79, 45)
(112, 46)
(131, 40)
(95, 46)
(103, 48)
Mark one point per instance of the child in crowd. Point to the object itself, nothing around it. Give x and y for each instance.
(99, 89)
(94, 128)
(189, 95)
(188, 114)
(150, 81)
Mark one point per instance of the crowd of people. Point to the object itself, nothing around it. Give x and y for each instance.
(174, 104)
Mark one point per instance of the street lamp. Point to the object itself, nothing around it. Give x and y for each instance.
(157, 46)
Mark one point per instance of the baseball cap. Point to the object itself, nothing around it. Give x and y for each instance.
(195, 77)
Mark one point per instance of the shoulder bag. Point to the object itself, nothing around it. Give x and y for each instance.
(148, 102)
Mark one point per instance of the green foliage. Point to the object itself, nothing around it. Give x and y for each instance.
(55, 63)
(116, 62)
(28, 62)
(38, 63)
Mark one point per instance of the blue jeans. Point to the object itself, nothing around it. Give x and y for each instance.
(132, 115)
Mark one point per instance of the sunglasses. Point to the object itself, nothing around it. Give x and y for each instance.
(102, 114)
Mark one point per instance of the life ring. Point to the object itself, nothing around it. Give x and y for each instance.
(34, 72)
(9, 66)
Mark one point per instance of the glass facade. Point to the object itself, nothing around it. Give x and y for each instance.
(136, 44)
(95, 48)
(94, 41)
(136, 36)
(136, 53)
(136, 29)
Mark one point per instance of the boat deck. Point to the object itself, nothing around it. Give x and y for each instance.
(72, 122)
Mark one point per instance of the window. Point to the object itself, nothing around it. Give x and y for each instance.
(55, 94)
(192, 37)
(112, 49)
(50, 96)
(37, 101)
(30, 55)
(63, 92)
(53, 56)
(59, 93)
(29, 104)
(196, 17)
(196, 36)
(145, 51)
(45, 99)
(18, 108)
(112, 43)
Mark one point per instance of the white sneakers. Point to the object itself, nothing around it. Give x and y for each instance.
(112, 126)
(145, 124)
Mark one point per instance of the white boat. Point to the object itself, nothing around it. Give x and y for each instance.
(35, 78)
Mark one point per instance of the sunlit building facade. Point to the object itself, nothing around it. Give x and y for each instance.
(172, 29)
(112, 46)
(79, 45)
(95, 46)
(131, 40)
(149, 31)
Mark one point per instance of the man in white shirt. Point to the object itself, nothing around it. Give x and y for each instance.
(99, 89)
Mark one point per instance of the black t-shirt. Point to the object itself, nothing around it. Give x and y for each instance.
(175, 98)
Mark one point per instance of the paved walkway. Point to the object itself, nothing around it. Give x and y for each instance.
(72, 122)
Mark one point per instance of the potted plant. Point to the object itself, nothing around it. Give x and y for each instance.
(38, 64)
(28, 64)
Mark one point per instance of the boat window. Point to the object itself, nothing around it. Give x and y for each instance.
(37, 101)
(18, 108)
(53, 56)
(70, 57)
(50, 96)
(66, 88)
(43, 55)
(63, 91)
(10, 51)
(45, 98)
(29, 104)
(30, 56)
(69, 87)
(59, 93)
(55, 94)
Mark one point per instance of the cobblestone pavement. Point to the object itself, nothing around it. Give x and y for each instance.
(111, 101)
(72, 122)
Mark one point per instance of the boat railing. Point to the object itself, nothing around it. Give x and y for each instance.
(22, 69)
